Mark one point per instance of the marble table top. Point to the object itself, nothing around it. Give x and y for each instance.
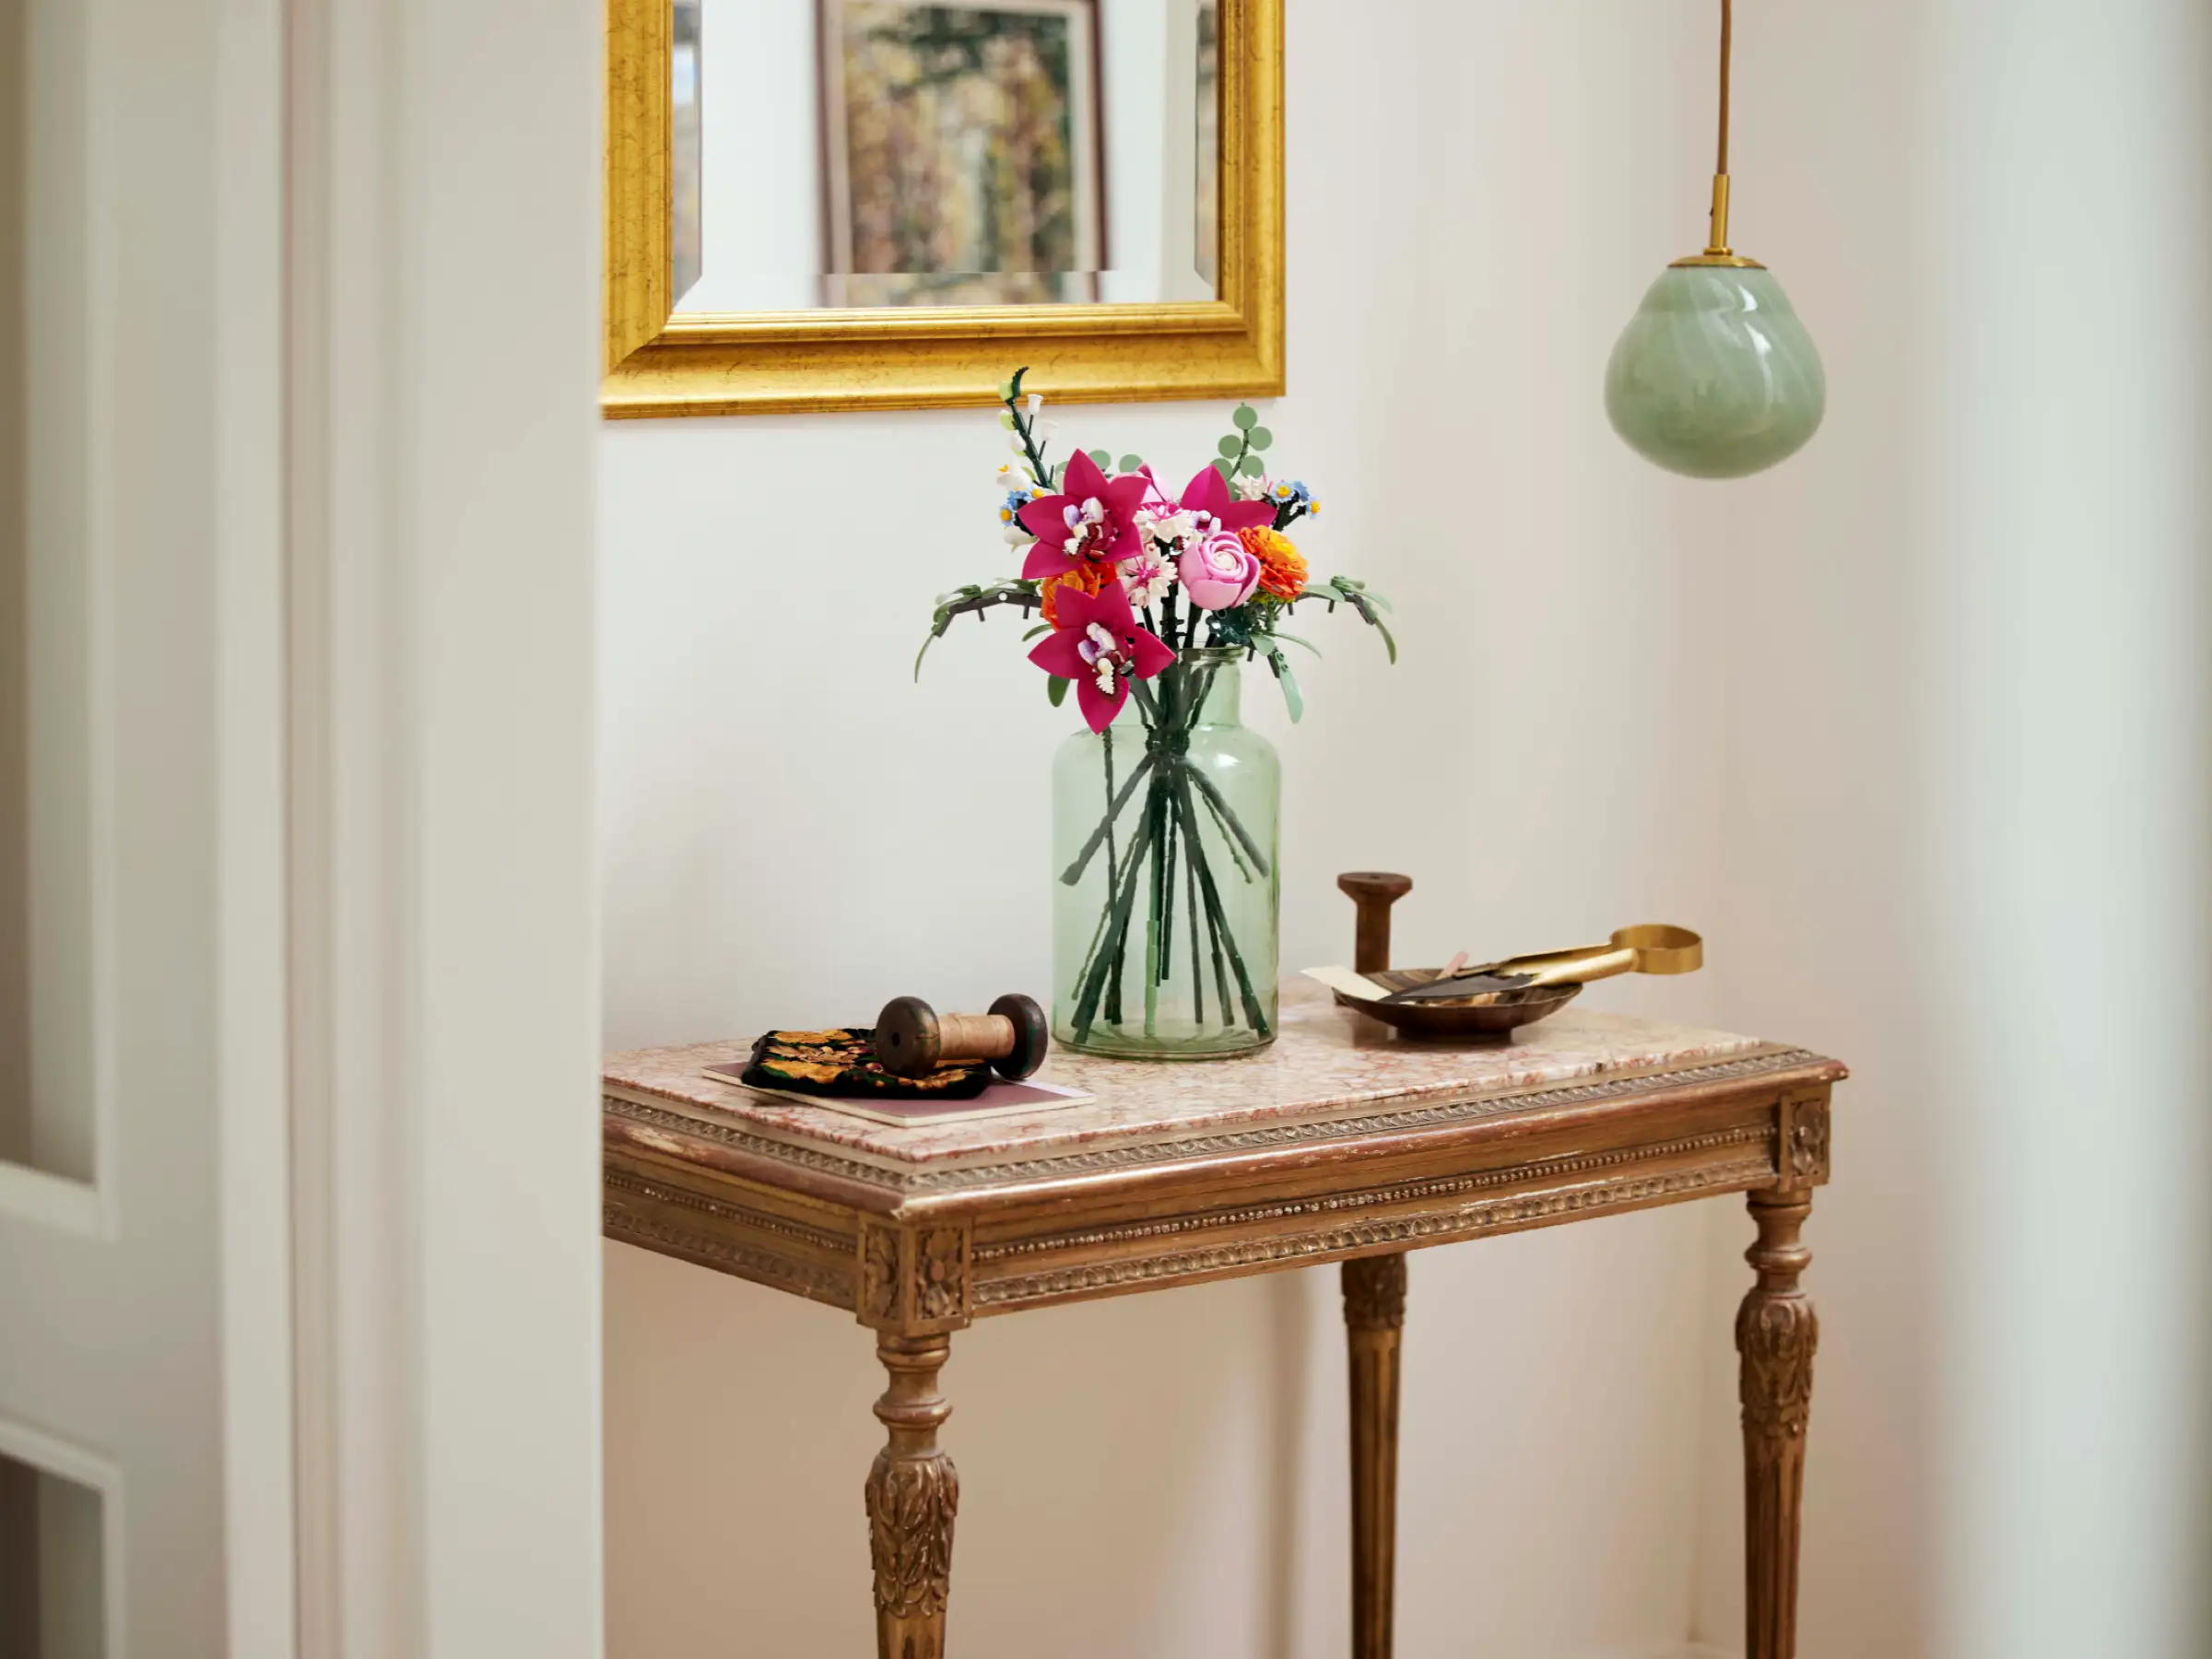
(1326, 1062)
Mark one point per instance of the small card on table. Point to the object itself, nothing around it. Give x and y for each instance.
(999, 1098)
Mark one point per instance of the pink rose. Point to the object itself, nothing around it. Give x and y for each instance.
(1218, 572)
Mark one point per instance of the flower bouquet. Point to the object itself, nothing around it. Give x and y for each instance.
(1166, 808)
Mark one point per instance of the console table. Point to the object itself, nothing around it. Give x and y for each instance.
(1341, 1142)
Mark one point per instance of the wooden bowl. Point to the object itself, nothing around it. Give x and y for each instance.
(1496, 1019)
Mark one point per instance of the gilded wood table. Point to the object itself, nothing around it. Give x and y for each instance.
(1339, 1143)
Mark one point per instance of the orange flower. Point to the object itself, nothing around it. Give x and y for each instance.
(1087, 577)
(1282, 567)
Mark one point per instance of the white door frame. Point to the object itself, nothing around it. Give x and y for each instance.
(445, 261)
(340, 401)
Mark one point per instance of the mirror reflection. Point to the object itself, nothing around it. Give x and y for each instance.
(842, 153)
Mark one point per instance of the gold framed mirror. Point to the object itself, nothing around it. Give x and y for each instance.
(974, 188)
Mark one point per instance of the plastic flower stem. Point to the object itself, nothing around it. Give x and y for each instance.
(1167, 910)
(1025, 428)
(1087, 1004)
(1228, 840)
(1117, 949)
(1112, 805)
(1213, 940)
(1235, 826)
(1103, 834)
(1096, 934)
(1220, 919)
(1190, 926)
(1152, 922)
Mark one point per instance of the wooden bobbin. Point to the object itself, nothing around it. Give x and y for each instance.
(912, 1038)
(1375, 891)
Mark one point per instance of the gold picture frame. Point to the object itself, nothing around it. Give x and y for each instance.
(758, 363)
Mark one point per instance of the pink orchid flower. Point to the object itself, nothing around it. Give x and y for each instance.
(1207, 499)
(1098, 645)
(1218, 571)
(1093, 520)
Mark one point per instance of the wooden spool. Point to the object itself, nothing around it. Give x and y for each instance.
(912, 1038)
(1375, 891)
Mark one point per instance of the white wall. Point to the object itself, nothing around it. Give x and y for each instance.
(1964, 817)
(1928, 695)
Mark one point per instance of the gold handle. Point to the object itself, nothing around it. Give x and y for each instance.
(1579, 968)
(1651, 947)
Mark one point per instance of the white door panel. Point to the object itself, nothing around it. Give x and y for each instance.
(145, 717)
(297, 1039)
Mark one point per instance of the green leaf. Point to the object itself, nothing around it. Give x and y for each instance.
(1005, 420)
(1055, 690)
(1231, 448)
(1101, 458)
(934, 633)
(1292, 699)
(1131, 462)
(1251, 466)
(1042, 628)
(1226, 468)
(1261, 437)
(1294, 639)
(1006, 390)
(1389, 644)
(1246, 417)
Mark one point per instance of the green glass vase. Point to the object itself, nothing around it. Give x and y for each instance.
(1714, 377)
(1167, 888)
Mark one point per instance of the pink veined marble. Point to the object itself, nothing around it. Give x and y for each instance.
(1326, 1062)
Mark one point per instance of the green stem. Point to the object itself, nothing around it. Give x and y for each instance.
(1190, 926)
(1235, 825)
(1152, 918)
(1229, 842)
(1167, 909)
(1025, 430)
(1117, 928)
(1218, 919)
(1213, 939)
(1103, 834)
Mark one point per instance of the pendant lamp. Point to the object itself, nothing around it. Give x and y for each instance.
(1714, 377)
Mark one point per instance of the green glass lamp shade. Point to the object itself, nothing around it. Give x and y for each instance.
(1714, 377)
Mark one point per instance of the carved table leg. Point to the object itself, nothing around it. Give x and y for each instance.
(1374, 1319)
(912, 1495)
(1776, 1331)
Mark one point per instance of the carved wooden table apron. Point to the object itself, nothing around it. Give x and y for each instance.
(1339, 1143)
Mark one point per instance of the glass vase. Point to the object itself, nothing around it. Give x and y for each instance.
(1165, 828)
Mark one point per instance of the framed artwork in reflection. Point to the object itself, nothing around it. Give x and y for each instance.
(962, 159)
